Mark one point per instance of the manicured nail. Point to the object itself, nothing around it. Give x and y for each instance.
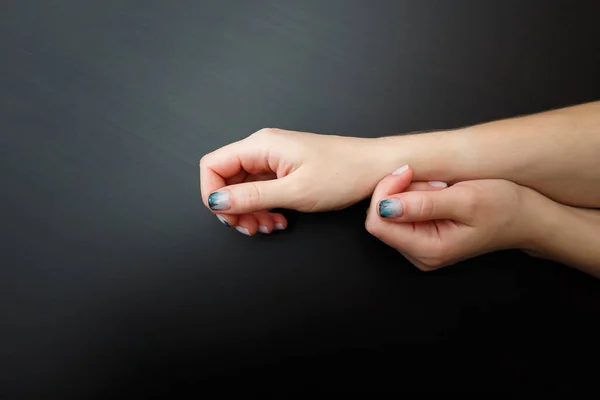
(263, 229)
(438, 184)
(219, 200)
(390, 208)
(242, 230)
(223, 220)
(400, 170)
(279, 226)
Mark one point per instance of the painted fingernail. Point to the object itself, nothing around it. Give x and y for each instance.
(242, 230)
(390, 208)
(279, 226)
(223, 220)
(219, 200)
(263, 229)
(438, 184)
(400, 170)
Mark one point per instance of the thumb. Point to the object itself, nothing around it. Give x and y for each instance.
(251, 197)
(424, 206)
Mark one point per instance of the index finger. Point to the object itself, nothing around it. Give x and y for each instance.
(229, 161)
(216, 167)
(393, 183)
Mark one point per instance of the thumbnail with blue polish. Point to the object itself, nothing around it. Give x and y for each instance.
(219, 200)
(390, 208)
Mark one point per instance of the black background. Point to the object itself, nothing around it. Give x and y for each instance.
(115, 277)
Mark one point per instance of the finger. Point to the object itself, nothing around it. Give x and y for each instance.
(228, 220)
(424, 206)
(394, 183)
(265, 222)
(230, 161)
(402, 237)
(391, 184)
(249, 197)
(425, 186)
(280, 221)
(422, 187)
(240, 177)
(247, 225)
(259, 177)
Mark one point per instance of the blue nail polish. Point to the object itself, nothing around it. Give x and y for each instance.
(219, 200)
(390, 208)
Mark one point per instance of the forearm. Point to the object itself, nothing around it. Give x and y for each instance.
(556, 153)
(567, 235)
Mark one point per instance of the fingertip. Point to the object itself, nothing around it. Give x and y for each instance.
(438, 184)
(243, 231)
(223, 220)
(395, 182)
(426, 186)
(247, 225)
(265, 222)
(400, 171)
(279, 221)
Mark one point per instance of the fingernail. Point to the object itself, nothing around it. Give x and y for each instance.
(263, 229)
(242, 230)
(438, 184)
(279, 226)
(219, 200)
(400, 170)
(223, 220)
(390, 208)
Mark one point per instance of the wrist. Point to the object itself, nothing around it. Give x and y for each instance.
(540, 218)
(432, 155)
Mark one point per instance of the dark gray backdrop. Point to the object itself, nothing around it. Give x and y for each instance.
(114, 276)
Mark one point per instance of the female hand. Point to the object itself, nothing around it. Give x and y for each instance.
(436, 226)
(274, 168)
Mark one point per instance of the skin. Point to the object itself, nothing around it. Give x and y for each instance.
(520, 158)
(437, 227)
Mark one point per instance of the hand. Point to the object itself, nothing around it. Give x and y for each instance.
(274, 168)
(436, 226)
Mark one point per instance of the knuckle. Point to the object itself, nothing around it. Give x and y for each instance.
(426, 207)
(249, 196)
(203, 160)
(266, 132)
(253, 195)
